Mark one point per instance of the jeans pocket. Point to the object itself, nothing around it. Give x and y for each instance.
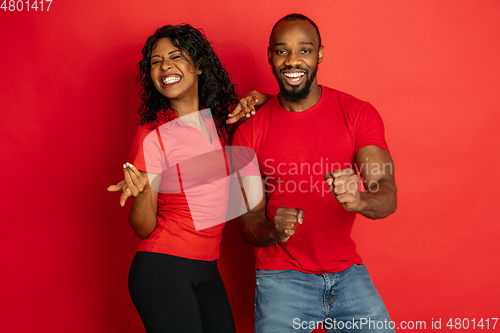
(264, 272)
(359, 266)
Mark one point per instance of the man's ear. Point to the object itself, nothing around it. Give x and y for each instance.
(269, 56)
(320, 54)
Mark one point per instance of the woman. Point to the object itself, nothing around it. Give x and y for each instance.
(174, 281)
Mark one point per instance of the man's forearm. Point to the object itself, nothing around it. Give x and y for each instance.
(257, 230)
(379, 201)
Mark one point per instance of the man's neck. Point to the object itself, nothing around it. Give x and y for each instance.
(304, 104)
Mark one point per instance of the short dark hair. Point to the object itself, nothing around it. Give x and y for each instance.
(295, 17)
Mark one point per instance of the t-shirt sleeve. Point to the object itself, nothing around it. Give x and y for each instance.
(369, 128)
(145, 153)
(243, 156)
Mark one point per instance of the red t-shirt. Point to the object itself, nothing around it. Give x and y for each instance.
(192, 198)
(294, 150)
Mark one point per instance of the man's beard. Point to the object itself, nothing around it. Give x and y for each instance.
(296, 95)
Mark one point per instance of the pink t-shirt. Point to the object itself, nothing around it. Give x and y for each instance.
(294, 150)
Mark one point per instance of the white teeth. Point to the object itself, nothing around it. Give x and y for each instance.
(293, 75)
(170, 79)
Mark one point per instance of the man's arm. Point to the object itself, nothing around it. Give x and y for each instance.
(256, 229)
(377, 173)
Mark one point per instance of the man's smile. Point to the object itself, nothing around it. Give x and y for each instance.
(294, 77)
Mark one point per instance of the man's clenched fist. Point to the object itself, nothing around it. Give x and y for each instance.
(344, 186)
(285, 222)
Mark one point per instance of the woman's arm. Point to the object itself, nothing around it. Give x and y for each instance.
(247, 106)
(142, 217)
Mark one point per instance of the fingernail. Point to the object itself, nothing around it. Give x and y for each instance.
(124, 166)
(253, 112)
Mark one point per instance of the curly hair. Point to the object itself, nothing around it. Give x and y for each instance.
(215, 89)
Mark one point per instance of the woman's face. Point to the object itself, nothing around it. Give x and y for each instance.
(173, 72)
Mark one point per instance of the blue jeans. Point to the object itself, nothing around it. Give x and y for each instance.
(292, 301)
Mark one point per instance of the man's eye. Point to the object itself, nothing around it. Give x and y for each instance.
(280, 52)
(306, 51)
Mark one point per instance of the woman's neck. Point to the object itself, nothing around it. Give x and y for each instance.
(185, 106)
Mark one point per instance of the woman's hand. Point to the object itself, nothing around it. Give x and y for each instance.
(142, 217)
(247, 106)
(133, 184)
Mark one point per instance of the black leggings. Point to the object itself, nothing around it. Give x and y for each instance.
(174, 294)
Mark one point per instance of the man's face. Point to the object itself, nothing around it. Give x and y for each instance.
(295, 54)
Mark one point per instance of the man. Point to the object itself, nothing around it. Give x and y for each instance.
(311, 141)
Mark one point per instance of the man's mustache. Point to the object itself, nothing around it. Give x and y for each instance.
(294, 68)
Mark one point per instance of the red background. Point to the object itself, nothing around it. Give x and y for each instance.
(68, 98)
